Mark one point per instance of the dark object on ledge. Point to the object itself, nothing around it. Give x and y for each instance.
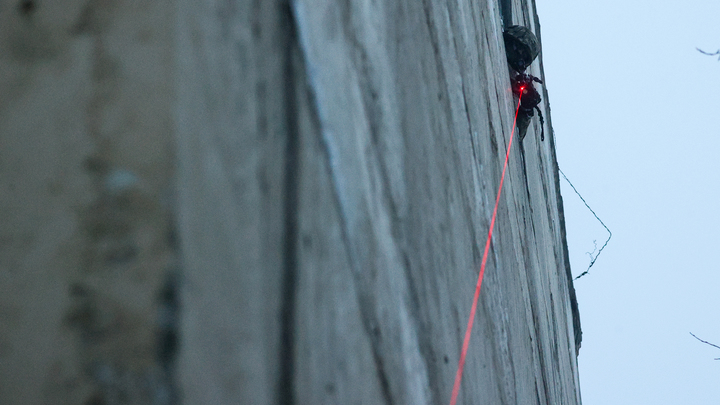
(521, 46)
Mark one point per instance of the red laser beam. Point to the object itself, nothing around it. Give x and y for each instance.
(471, 320)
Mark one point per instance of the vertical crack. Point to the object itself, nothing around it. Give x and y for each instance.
(167, 334)
(286, 392)
(368, 313)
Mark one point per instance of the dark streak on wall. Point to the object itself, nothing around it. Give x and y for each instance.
(293, 70)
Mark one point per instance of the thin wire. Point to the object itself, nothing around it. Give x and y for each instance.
(598, 218)
(710, 54)
(468, 330)
(707, 343)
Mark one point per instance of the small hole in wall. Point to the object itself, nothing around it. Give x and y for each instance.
(26, 7)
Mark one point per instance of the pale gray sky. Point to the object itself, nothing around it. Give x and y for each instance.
(635, 110)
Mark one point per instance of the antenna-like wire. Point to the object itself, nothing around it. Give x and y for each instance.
(598, 218)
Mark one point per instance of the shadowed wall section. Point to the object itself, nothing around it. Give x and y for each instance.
(88, 252)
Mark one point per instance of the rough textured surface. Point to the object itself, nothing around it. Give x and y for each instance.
(347, 179)
(86, 163)
(335, 169)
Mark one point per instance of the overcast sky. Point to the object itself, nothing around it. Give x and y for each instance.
(636, 114)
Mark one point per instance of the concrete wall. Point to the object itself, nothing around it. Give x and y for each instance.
(312, 182)
(86, 212)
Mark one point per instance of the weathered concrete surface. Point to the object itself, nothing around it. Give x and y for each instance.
(335, 197)
(331, 167)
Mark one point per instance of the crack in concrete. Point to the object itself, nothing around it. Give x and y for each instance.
(286, 391)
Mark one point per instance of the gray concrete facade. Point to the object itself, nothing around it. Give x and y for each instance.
(274, 202)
